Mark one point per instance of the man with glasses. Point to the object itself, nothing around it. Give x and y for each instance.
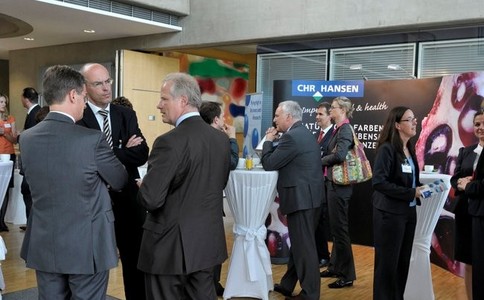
(120, 126)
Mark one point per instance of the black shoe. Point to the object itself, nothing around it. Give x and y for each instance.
(340, 283)
(23, 228)
(282, 290)
(328, 273)
(323, 262)
(219, 289)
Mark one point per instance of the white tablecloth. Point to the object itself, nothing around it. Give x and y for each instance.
(249, 196)
(5, 174)
(419, 283)
(16, 207)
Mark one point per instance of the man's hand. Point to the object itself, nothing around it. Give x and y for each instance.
(462, 183)
(134, 141)
(271, 134)
(229, 130)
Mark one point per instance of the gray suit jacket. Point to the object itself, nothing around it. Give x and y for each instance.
(188, 168)
(71, 223)
(298, 159)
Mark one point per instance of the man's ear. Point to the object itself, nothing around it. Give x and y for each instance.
(184, 100)
(72, 95)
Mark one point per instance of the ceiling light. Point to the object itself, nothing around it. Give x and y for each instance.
(89, 31)
(28, 38)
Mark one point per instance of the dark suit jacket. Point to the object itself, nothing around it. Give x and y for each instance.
(124, 124)
(188, 169)
(464, 167)
(71, 222)
(29, 123)
(323, 145)
(297, 157)
(340, 142)
(30, 118)
(475, 190)
(393, 190)
(234, 154)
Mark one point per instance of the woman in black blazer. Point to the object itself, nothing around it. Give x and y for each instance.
(396, 194)
(341, 263)
(466, 165)
(470, 186)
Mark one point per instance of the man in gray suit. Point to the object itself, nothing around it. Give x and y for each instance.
(70, 238)
(188, 168)
(298, 159)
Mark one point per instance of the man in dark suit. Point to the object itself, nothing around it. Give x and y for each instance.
(188, 168)
(30, 99)
(297, 157)
(70, 238)
(322, 230)
(131, 149)
(212, 114)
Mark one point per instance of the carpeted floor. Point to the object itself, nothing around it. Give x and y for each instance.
(32, 294)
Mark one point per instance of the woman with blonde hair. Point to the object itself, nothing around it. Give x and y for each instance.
(8, 137)
(341, 263)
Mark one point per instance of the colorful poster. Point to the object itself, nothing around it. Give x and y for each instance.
(444, 107)
(220, 81)
(252, 123)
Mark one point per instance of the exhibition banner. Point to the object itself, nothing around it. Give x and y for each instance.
(444, 107)
(252, 123)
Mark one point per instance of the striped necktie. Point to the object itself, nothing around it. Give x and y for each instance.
(106, 129)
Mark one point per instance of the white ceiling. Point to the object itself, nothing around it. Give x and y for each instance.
(57, 23)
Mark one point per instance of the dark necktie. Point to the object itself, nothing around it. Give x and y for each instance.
(106, 129)
(320, 137)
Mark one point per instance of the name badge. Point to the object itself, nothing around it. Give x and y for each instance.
(7, 125)
(406, 168)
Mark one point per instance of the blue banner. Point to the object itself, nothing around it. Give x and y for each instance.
(317, 89)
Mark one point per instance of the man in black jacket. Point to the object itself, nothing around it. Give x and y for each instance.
(131, 149)
(30, 99)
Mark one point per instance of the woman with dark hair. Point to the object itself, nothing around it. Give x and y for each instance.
(396, 193)
(469, 211)
(341, 263)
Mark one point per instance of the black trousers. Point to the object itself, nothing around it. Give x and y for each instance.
(193, 286)
(129, 218)
(393, 240)
(477, 257)
(341, 261)
(322, 232)
(303, 262)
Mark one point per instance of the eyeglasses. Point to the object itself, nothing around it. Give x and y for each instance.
(334, 107)
(409, 120)
(98, 84)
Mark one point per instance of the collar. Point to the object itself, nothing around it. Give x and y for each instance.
(478, 150)
(63, 113)
(95, 108)
(345, 121)
(186, 116)
(32, 107)
(325, 130)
